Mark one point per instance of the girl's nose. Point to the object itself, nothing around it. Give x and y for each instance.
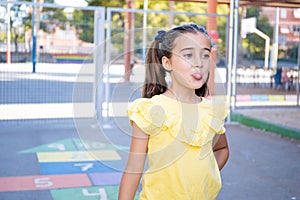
(198, 62)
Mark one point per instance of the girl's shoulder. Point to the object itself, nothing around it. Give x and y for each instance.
(144, 104)
(215, 106)
(155, 100)
(148, 114)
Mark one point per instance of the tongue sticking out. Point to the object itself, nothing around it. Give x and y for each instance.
(197, 76)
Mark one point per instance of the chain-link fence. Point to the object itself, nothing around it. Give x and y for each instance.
(63, 34)
(64, 56)
(43, 47)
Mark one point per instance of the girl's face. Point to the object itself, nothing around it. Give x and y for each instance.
(190, 61)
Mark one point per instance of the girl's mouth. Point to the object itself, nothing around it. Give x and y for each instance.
(197, 76)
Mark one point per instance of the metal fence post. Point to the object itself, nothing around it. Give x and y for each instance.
(235, 51)
(34, 37)
(297, 84)
(8, 45)
(230, 58)
(98, 57)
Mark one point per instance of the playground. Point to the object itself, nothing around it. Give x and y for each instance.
(64, 95)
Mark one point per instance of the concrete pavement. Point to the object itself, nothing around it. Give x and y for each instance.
(46, 160)
(281, 120)
(262, 165)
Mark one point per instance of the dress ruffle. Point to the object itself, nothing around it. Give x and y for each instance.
(211, 122)
(153, 117)
(148, 116)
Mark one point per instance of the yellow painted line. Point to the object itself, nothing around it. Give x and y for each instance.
(276, 98)
(78, 156)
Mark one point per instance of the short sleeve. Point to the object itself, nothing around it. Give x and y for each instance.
(220, 118)
(222, 130)
(224, 111)
(217, 112)
(148, 116)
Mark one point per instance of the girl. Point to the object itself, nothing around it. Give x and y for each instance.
(176, 125)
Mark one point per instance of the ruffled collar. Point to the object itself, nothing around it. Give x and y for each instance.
(185, 127)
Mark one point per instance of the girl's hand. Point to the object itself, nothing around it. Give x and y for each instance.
(221, 150)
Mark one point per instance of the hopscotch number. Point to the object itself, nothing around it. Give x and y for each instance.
(84, 166)
(101, 193)
(42, 182)
(58, 146)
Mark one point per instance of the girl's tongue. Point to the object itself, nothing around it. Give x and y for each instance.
(197, 76)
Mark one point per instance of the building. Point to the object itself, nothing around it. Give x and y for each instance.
(289, 24)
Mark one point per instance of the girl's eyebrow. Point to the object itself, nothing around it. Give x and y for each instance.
(188, 48)
(207, 49)
(191, 48)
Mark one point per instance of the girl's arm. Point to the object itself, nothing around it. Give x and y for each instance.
(135, 164)
(221, 150)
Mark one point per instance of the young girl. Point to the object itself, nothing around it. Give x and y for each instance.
(176, 126)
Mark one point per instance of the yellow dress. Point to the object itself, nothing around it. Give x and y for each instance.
(181, 162)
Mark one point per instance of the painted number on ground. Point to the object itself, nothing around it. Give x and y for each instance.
(86, 193)
(43, 182)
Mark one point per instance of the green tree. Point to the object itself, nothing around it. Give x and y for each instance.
(163, 21)
(222, 24)
(52, 18)
(18, 19)
(84, 19)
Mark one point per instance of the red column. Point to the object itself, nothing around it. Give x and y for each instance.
(211, 26)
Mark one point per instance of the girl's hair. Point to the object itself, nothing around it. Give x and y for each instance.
(163, 45)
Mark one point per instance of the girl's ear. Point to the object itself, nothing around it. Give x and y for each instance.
(166, 63)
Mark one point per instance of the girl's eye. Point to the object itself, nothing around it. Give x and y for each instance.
(205, 56)
(188, 55)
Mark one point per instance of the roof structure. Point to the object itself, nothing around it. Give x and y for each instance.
(266, 3)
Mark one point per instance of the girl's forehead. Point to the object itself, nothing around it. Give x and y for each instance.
(191, 40)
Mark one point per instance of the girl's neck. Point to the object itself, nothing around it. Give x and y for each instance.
(183, 96)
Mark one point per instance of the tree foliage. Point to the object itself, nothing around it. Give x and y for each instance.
(18, 20)
(84, 19)
(52, 18)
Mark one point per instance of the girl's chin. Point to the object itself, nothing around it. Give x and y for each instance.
(197, 86)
